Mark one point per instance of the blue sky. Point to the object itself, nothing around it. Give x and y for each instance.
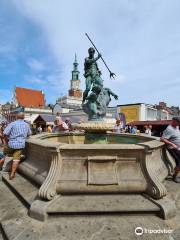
(140, 41)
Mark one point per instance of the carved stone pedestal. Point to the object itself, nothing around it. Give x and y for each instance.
(66, 164)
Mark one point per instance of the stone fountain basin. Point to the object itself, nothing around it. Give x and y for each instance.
(68, 164)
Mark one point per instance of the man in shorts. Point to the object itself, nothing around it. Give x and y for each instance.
(171, 137)
(15, 135)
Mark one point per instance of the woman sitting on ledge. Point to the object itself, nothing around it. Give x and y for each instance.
(60, 126)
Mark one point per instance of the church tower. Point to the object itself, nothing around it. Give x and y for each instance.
(75, 90)
(74, 98)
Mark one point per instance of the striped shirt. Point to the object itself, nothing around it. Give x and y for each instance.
(17, 133)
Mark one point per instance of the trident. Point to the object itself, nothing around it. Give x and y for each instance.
(111, 73)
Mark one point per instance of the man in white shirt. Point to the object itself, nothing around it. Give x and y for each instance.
(171, 137)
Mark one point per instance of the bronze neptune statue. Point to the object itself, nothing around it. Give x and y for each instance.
(96, 98)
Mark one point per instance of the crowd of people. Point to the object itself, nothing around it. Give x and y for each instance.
(66, 126)
(121, 128)
(58, 126)
(13, 137)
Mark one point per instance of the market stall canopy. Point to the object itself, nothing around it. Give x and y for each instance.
(47, 119)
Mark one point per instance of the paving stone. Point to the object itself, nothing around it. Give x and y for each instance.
(26, 190)
(18, 226)
(176, 234)
(102, 203)
(103, 227)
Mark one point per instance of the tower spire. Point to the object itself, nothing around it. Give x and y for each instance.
(75, 90)
(75, 71)
(75, 60)
(75, 64)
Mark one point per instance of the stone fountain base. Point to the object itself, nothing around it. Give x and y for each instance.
(86, 204)
(63, 166)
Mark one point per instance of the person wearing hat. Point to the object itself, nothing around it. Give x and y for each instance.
(171, 137)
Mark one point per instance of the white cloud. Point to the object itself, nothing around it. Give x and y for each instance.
(36, 65)
(52, 84)
(65, 23)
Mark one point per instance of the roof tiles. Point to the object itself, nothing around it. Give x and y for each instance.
(29, 97)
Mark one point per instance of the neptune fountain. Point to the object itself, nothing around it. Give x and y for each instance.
(95, 170)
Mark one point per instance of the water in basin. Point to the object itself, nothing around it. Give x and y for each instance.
(93, 138)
